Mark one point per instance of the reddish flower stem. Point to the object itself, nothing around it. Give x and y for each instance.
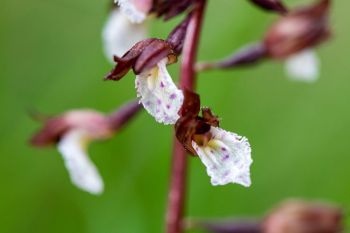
(176, 199)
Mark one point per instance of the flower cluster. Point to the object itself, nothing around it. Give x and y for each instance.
(226, 155)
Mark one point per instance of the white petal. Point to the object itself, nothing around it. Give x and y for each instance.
(119, 34)
(130, 10)
(159, 95)
(303, 66)
(82, 171)
(227, 158)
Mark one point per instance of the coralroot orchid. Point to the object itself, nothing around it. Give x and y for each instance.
(225, 155)
(73, 131)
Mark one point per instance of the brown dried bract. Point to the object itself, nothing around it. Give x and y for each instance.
(190, 125)
(302, 28)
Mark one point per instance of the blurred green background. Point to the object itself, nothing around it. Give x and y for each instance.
(51, 59)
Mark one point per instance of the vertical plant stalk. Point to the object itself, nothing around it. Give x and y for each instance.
(177, 192)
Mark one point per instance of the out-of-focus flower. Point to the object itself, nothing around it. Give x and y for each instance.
(120, 34)
(135, 10)
(226, 155)
(72, 131)
(291, 216)
(271, 5)
(155, 88)
(291, 39)
(297, 216)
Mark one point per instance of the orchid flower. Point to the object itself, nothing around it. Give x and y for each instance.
(73, 131)
(292, 39)
(155, 88)
(226, 156)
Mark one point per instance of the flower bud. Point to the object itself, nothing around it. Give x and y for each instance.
(301, 29)
(297, 216)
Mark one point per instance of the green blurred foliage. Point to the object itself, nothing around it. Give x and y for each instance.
(51, 60)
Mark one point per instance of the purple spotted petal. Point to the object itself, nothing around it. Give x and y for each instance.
(227, 158)
(158, 94)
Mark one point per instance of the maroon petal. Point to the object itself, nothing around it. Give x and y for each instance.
(191, 104)
(154, 52)
(303, 28)
(52, 131)
(177, 37)
(125, 63)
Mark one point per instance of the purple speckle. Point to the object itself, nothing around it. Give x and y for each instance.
(148, 103)
(168, 106)
(226, 157)
(173, 96)
(226, 173)
(159, 102)
(162, 85)
(223, 148)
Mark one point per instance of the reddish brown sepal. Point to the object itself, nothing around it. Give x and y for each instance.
(125, 63)
(226, 225)
(271, 5)
(51, 133)
(302, 28)
(248, 55)
(177, 37)
(171, 8)
(190, 126)
(147, 53)
(152, 54)
(191, 104)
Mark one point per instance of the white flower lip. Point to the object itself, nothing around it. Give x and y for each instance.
(227, 158)
(82, 171)
(158, 94)
(303, 66)
(120, 34)
(130, 10)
